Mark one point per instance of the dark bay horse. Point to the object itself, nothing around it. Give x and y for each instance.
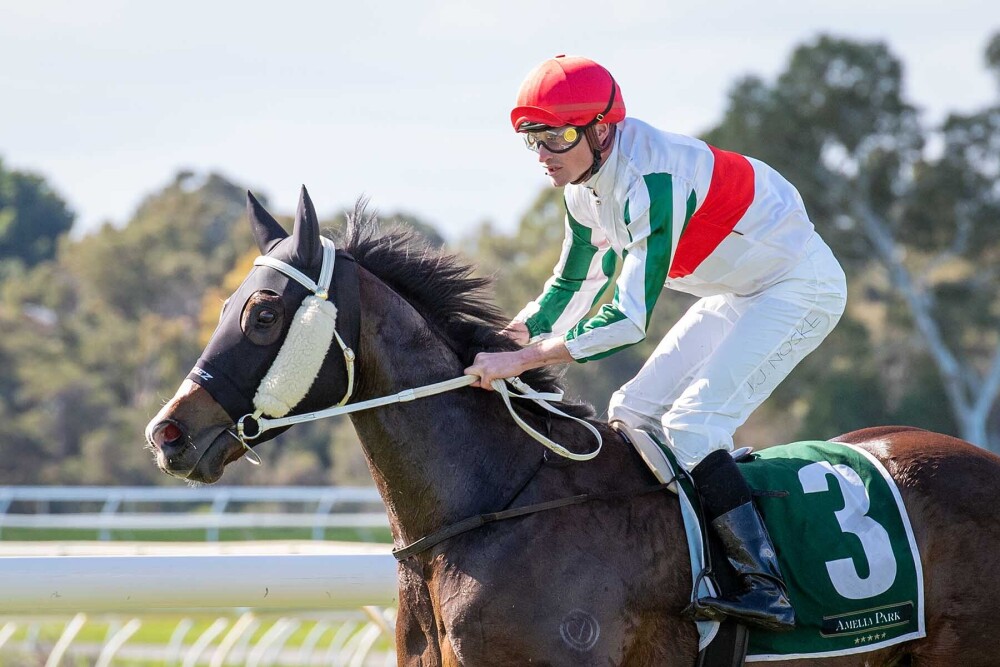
(598, 583)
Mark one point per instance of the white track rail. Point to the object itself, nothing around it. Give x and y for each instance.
(108, 508)
(61, 584)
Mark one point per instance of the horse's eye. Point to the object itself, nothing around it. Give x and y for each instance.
(263, 317)
(266, 317)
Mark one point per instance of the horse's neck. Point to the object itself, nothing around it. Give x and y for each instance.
(435, 460)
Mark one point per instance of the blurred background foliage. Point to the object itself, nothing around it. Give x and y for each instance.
(99, 331)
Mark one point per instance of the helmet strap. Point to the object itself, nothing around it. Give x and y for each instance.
(597, 148)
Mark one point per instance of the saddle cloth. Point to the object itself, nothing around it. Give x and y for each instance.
(844, 544)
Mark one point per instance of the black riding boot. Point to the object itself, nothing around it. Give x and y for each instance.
(728, 503)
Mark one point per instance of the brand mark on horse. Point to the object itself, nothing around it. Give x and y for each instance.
(580, 630)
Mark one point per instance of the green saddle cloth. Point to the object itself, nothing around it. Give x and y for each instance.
(845, 547)
(844, 544)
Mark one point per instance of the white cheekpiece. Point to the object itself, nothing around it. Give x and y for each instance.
(298, 362)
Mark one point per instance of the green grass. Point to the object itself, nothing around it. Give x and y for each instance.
(157, 629)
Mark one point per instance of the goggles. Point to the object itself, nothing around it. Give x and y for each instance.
(555, 140)
(562, 139)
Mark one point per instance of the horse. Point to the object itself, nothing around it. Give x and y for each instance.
(602, 582)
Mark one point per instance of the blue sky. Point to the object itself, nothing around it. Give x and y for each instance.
(406, 102)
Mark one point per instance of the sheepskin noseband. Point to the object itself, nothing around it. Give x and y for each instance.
(297, 365)
(309, 338)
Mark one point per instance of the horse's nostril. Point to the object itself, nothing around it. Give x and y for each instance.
(167, 434)
(170, 433)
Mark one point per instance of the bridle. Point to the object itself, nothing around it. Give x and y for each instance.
(320, 291)
(318, 299)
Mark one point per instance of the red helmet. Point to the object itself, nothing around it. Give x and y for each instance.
(568, 91)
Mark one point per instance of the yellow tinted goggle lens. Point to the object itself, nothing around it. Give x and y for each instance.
(557, 140)
(569, 135)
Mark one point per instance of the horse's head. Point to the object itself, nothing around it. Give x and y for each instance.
(269, 347)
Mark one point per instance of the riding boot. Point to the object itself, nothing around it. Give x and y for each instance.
(762, 600)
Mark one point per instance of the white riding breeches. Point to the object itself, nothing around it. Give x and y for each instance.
(726, 355)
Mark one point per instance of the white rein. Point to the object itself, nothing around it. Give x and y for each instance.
(320, 290)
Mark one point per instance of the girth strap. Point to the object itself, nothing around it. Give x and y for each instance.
(473, 522)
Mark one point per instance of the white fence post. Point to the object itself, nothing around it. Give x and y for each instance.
(65, 639)
(116, 642)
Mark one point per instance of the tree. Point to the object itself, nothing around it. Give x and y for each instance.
(917, 232)
(32, 217)
(100, 335)
(993, 56)
(181, 240)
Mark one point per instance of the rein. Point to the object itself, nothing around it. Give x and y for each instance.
(264, 424)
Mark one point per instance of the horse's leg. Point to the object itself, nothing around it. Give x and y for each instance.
(416, 628)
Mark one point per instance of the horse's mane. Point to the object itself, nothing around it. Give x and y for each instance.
(443, 288)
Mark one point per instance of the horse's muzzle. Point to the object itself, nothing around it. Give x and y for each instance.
(190, 436)
(170, 442)
(167, 437)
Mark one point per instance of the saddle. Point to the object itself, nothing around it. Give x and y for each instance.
(652, 452)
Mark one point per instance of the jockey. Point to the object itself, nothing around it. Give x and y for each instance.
(679, 213)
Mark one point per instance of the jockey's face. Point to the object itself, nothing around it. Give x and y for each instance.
(565, 168)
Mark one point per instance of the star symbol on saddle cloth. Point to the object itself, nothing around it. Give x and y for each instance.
(870, 638)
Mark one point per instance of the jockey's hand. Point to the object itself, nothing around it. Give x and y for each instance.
(517, 332)
(491, 366)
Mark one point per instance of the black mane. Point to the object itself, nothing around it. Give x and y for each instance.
(442, 287)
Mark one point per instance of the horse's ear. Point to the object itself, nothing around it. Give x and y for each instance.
(308, 247)
(266, 230)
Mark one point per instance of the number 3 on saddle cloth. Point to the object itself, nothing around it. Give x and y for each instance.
(844, 543)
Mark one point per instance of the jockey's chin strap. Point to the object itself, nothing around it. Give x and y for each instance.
(246, 433)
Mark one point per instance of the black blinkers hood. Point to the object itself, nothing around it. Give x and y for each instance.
(231, 367)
